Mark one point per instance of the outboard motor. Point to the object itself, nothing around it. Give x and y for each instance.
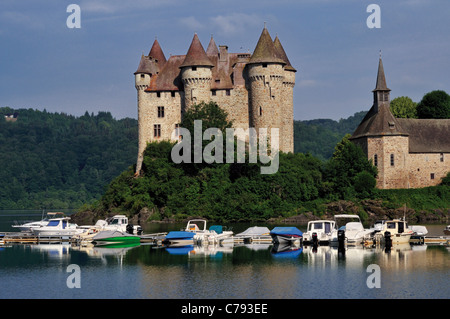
(341, 236)
(139, 230)
(387, 239)
(130, 229)
(315, 241)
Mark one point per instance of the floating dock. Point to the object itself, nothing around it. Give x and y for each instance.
(29, 238)
(431, 240)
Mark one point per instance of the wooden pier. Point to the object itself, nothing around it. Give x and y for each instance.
(29, 238)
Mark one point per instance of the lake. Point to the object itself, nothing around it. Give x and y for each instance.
(53, 271)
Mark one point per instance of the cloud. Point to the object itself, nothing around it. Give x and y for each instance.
(114, 6)
(21, 19)
(235, 23)
(191, 23)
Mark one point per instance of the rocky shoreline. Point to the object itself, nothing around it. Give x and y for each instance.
(369, 211)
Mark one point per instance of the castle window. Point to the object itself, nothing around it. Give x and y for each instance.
(158, 94)
(142, 76)
(177, 132)
(228, 92)
(442, 157)
(213, 92)
(260, 111)
(264, 65)
(172, 94)
(157, 130)
(375, 160)
(160, 111)
(432, 175)
(392, 160)
(194, 68)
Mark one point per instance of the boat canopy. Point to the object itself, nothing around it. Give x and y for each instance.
(255, 231)
(291, 231)
(217, 228)
(180, 234)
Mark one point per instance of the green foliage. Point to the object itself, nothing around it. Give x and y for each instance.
(419, 199)
(320, 136)
(345, 171)
(434, 105)
(223, 192)
(403, 107)
(56, 160)
(446, 180)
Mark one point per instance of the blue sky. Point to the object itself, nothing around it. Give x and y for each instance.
(44, 64)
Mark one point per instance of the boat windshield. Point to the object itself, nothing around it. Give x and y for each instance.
(53, 223)
(317, 226)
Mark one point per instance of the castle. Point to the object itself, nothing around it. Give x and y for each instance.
(256, 90)
(409, 153)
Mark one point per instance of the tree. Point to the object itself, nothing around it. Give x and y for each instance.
(434, 105)
(404, 107)
(342, 170)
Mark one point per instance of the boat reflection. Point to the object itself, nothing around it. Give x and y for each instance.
(58, 251)
(194, 251)
(286, 250)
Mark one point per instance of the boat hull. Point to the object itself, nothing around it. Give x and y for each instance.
(126, 240)
(179, 238)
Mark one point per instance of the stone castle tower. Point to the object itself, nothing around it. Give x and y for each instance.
(256, 90)
(408, 153)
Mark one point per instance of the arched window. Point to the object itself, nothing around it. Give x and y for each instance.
(392, 160)
(375, 160)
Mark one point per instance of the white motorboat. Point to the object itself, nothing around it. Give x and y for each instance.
(115, 223)
(58, 227)
(419, 230)
(214, 235)
(394, 231)
(319, 232)
(120, 223)
(26, 227)
(351, 232)
(286, 235)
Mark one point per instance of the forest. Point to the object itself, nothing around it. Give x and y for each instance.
(59, 161)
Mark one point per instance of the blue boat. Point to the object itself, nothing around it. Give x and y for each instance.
(179, 238)
(282, 235)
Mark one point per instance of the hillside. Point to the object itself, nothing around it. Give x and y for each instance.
(319, 137)
(52, 160)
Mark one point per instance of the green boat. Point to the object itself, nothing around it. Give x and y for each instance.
(114, 237)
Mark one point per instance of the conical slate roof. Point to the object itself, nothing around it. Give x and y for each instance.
(196, 55)
(379, 121)
(212, 48)
(157, 53)
(282, 54)
(265, 51)
(381, 78)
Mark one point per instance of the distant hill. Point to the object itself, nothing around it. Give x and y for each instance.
(319, 137)
(52, 160)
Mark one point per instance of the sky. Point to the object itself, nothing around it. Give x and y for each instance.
(44, 64)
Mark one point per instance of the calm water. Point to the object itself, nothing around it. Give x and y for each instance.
(238, 272)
